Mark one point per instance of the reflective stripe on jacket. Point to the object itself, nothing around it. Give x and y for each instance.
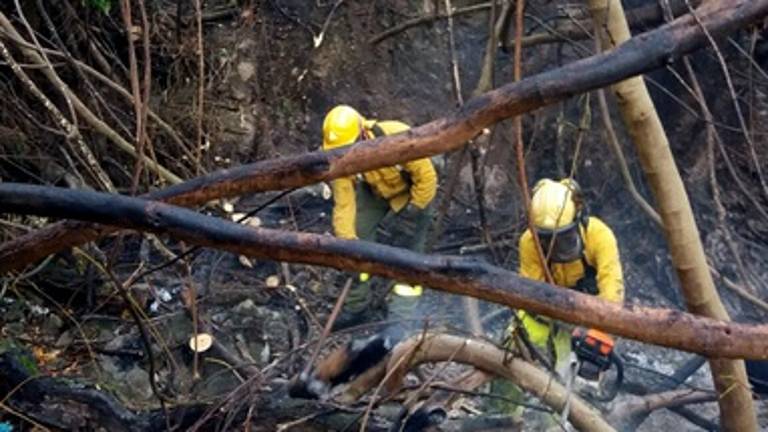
(417, 187)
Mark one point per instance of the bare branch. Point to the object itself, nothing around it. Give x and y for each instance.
(84, 111)
(456, 275)
(638, 55)
(491, 359)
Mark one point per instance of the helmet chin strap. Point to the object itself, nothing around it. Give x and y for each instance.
(365, 135)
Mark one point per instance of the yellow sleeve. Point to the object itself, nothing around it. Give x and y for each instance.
(530, 267)
(424, 181)
(604, 251)
(344, 208)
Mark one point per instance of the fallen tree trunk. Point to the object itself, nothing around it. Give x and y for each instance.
(457, 275)
(641, 54)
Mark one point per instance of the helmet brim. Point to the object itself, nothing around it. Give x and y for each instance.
(330, 145)
(555, 231)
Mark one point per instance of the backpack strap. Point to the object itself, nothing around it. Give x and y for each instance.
(588, 283)
(377, 130)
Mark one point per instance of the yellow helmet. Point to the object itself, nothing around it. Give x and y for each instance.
(341, 127)
(552, 205)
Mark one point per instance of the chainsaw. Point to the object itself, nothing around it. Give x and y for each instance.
(594, 354)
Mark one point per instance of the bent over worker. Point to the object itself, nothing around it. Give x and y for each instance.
(580, 252)
(363, 201)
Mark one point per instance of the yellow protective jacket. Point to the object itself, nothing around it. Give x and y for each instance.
(388, 183)
(600, 251)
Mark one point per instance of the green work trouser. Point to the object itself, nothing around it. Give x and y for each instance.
(555, 344)
(372, 211)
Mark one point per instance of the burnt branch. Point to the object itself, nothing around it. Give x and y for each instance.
(489, 358)
(69, 405)
(456, 275)
(641, 54)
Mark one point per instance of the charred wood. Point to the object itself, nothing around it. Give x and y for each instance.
(458, 275)
(68, 405)
(641, 54)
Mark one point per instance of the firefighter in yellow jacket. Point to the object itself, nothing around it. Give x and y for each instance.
(581, 253)
(363, 201)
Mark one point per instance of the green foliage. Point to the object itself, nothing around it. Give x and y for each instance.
(102, 5)
(22, 356)
(29, 364)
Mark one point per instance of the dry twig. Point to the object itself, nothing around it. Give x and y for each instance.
(91, 118)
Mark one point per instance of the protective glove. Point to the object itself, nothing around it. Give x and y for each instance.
(588, 285)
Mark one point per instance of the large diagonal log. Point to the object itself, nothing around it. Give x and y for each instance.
(641, 54)
(457, 275)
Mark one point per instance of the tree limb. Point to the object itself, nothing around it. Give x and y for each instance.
(489, 358)
(69, 405)
(644, 126)
(405, 25)
(672, 398)
(83, 110)
(573, 30)
(457, 275)
(680, 375)
(638, 55)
